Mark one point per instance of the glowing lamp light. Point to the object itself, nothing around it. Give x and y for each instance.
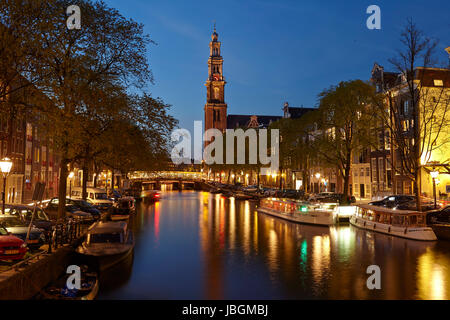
(434, 174)
(318, 175)
(5, 165)
(71, 174)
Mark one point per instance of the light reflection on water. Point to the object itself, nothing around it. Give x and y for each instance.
(196, 245)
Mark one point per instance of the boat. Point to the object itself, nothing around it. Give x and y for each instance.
(299, 212)
(89, 286)
(241, 196)
(107, 243)
(400, 223)
(215, 191)
(122, 209)
(441, 230)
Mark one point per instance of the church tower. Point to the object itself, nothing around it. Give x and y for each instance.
(215, 107)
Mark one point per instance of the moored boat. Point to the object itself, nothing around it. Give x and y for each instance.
(107, 243)
(441, 230)
(241, 196)
(400, 223)
(58, 290)
(300, 212)
(122, 209)
(215, 191)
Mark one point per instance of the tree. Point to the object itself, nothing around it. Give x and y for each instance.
(415, 111)
(343, 120)
(107, 48)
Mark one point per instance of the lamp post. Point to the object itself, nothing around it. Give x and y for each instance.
(318, 179)
(434, 174)
(71, 174)
(5, 167)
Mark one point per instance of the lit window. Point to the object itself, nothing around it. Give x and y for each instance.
(438, 83)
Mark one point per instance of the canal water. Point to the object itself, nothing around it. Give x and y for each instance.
(196, 245)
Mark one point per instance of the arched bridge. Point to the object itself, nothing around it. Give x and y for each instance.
(168, 180)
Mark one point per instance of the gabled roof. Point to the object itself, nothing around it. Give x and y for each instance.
(298, 112)
(242, 121)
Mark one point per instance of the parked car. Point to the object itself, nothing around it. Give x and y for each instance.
(337, 198)
(72, 211)
(318, 196)
(85, 206)
(403, 202)
(11, 247)
(24, 213)
(97, 196)
(392, 201)
(115, 195)
(19, 229)
(292, 193)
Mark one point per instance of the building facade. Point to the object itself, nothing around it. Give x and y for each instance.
(31, 153)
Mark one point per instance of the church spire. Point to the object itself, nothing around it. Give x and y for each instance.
(215, 108)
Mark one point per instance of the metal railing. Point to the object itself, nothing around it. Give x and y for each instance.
(61, 234)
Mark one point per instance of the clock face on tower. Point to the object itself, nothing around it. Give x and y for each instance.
(216, 78)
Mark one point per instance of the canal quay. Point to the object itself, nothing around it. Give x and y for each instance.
(198, 245)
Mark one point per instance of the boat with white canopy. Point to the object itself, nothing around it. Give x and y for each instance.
(301, 212)
(400, 223)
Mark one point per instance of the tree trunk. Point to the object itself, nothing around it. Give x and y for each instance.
(85, 179)
(417, 188)
(112, 180)
(62, 188)
(347, 179)
(95, 179)
(118, 182)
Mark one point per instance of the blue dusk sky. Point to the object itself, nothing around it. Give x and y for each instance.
(274, 51)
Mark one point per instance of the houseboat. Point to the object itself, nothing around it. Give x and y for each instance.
(400, 223)
(300, 212)
(122, 209)
(107, 243)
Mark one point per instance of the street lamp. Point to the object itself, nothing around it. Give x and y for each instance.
(5, 167)
(434, 174)
(71, 174)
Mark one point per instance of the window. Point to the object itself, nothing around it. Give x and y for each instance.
(381, 169)
(387, 140)
(406, 107)
(380, 140)
(374, 169)
(407, 187)
(438, 83)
